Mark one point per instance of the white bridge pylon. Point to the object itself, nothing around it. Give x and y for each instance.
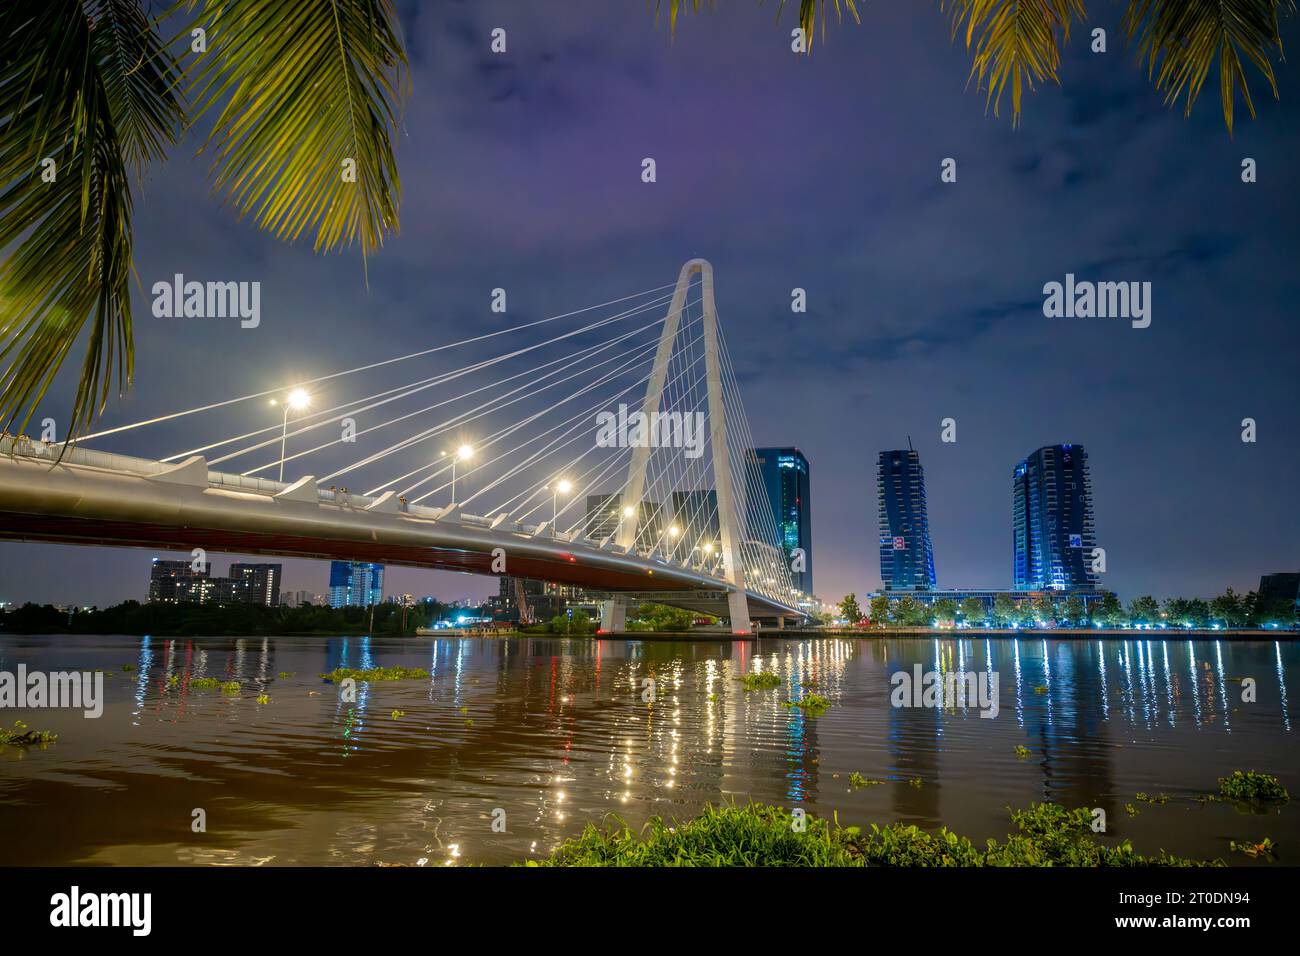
(613, 615)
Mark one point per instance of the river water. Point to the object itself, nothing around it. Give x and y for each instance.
(537, 737)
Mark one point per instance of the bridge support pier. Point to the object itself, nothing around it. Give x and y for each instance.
(738, 610)
(613, 617)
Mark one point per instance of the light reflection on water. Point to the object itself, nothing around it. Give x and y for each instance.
(558, 733)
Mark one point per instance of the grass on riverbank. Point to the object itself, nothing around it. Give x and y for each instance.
(762, 835)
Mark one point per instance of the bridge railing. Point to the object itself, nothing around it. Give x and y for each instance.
(25, 447)
(261, 486)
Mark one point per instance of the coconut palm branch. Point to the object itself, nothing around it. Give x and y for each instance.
(306, 95)
(84, 91)
(296, 87)
(1179, 40)
(1017, 43)
(808, 11)
(1014, 42)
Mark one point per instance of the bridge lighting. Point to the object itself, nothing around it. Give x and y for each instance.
(296, 401)
(674, 531)
(463, 453)
(628, 511)
(562, 487)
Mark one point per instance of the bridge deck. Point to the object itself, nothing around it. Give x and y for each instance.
(97, 498)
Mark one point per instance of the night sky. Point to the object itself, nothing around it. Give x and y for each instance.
(925, 299)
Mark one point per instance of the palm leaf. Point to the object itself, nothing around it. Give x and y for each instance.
(1016, 43)
(302, 86)
(140, 79)
(808, 10)
(67, 243)
(1180, 40)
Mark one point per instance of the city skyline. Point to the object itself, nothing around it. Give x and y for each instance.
(1029, 514)
(913, 315)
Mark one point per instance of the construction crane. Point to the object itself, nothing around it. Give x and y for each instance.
(521, 601)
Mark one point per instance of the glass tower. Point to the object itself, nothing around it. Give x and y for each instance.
(356, 584)
(906, 557)
(786, 480)
(1051, 521)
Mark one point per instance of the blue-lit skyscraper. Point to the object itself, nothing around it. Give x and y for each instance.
(906, 557)
(1052, 533)
(785, 477)
(356, 584)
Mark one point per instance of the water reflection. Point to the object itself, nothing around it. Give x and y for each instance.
(557, 733)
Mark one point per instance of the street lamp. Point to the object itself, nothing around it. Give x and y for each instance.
(296, 401)
(562, 487)
(463, 453)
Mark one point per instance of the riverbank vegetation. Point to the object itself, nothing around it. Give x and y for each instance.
(236, 620)
(1228, 610)
(760, 835)
(646, 618)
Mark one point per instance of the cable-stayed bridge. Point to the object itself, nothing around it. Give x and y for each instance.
(605, 448)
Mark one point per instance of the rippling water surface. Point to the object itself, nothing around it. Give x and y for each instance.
(556, 734)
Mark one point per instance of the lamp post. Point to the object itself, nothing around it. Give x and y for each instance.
(463, 453)
(562, 487)
(295, 401)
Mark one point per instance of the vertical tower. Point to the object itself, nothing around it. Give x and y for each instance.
(1052, 532)
(786, 479)
(730, 500)
(906, 557)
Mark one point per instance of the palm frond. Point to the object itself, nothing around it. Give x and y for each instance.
(1180, 41)
(140, 77)
(66, 242)
(808, 11)
(301, 87)
(1016, 43)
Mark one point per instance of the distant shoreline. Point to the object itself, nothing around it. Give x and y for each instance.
(1158, 633)
(1059, 633)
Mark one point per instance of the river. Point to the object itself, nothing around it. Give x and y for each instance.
(512, 745)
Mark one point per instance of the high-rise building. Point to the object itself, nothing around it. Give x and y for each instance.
(605, 512)
(785, 476)
(906, 557)
(698, 541)
(257, 583)
(176, 582)
(1052, 532)
(356, 583)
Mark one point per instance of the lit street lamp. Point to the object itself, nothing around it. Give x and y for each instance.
(562, 487)
(463, 453)
(296, 401)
